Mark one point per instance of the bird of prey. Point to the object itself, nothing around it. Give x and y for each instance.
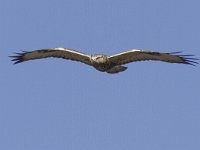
(105, 63)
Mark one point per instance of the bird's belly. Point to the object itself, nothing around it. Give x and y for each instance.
(102, 66)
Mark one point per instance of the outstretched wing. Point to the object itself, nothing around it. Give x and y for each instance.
(140, 55)
(52, 52)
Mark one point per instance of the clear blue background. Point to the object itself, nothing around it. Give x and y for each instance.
(53, 104)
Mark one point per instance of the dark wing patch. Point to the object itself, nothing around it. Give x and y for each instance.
(18, 57)
(140, 55)
(186, 59)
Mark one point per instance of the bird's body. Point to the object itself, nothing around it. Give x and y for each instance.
(105, 63)
(100, 62)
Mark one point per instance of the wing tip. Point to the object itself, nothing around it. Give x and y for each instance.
(186, 59)
(18, 57)
(193, 63)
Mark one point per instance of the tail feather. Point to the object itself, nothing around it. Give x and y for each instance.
(117, 69)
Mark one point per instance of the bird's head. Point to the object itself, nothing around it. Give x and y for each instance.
(99, 58)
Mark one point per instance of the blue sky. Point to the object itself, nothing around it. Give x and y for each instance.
(56, 104)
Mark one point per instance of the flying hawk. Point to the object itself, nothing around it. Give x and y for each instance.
(105, 63)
